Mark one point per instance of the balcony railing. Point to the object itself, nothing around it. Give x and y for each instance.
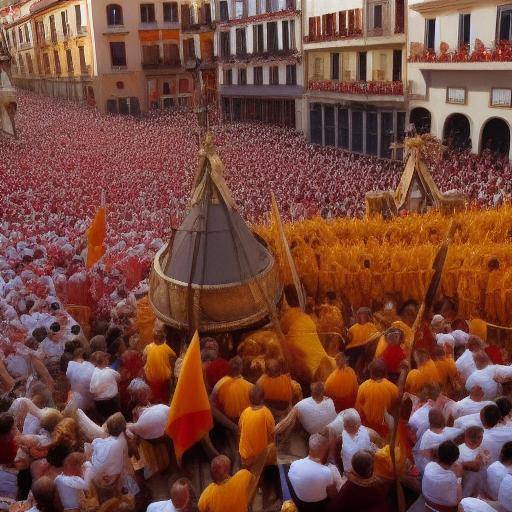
(198, 27)
(498, 52)
(335, 36)
(376, 88)
(267, 16)
(161, 64)
(81, 31)
(279, 55)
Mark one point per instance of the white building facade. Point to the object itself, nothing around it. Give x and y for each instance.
(460, 72)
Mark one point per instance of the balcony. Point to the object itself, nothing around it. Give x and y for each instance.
(496, 53)
(116, 30)
(267, 16)
(290, 55)
(81, 31)
(25, 45)
(373, 88)
(85, 70)
(198, 27)
(161, 64)
(335, 36)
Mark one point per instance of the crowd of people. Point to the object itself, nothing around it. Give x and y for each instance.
(85, 399)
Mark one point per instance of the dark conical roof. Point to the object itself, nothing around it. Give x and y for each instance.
(213, 245)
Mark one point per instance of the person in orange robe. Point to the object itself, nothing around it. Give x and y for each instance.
(342, 385)
(276, 386)
(231, 393)
(227, 493)
(447, 370)
(362, 330)
(376, 396)
(257, 427)
(426, 373)
(158, 365)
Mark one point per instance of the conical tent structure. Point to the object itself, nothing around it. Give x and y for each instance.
(214, 275)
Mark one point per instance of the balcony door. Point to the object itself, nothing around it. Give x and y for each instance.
(397, 65)
(361, 66)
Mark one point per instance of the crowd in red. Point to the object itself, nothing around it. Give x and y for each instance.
(53, 175)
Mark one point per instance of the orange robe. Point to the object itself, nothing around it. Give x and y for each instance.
(424, 375)
(360, 334)
(341, 386)
(256, 432)
(478, 327)
(447, 372)
(374, 398)
(229, 496)
(158, 370)
(383, 465)
(278, 389)
(232, 396)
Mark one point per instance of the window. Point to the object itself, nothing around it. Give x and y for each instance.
(335, 66)
(228, 77)
(46, 64)
(118, 53)
(430, 34)
(241, 47)
(224, 11)
(56, 60)
(150, 55)
(64, 21)
(272, 41)
(274, 75)
(291, 74)
(69, 60)
(258, 75)
(78, 18)
(114, 15)
(456, 95)
(361, 67)
(504, 23)
(81, 57)
(286, 36)
(21, 65)
(239, 9)
(171, 54)
(53, 30)
(147, 13)
(30, 65)
(377, 16)
(242, 76)
(225, 44)
(257, 42)
(20, 35)
(171, 12)
(397, 65)
(27, 34)
(501, 98)
(189, 49)
(464, 29)
(292, 34)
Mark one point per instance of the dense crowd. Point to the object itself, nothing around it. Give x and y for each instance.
(85, 400)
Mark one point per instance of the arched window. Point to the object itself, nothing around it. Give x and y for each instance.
(456, 132)
(496, 137)
(114, 15)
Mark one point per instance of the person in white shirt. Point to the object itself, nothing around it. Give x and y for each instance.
(52, 347)
(498, 470)
(151, 422)
(314, 413)
(433, 437)
(473, 403)
(70, 483)
(472, 460)
(441, 483)
(495, 434)
(355, 437)
(465, 363)
(79, 374)
(312, 482)
(181, 496)
(475, 505)
(488, 376)
(505, 494)
(103, 386)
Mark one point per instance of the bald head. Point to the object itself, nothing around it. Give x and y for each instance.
(256, 395)
(317, 390)
(378, 369)
(180, 493)
(341, 360)
(272, 368)
(436, 418)
(220, 468)
(474, 344)
(362, 464)
(235, 366)
(318, 446)
(481, 360)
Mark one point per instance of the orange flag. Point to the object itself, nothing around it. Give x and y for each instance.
(96, 237)
(190, 417)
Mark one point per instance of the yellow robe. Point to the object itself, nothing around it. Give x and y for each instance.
(360, 334)
(341, 386)
(306, 354)
(447, 372)
(256, 432)
(478, 327)
(424, 375)
(233, 396)
(229, 496)
(374, 398)
(158, 367)
(276, 388)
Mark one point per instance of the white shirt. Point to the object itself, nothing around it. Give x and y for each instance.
(469, 406)
(104, 383)
(470, 420)
(439, 485)
(494, 439)
(50, 350)
(419, 420)
(461, 337)
(315, 416)
(79, 376)
(31, 425)
(310, 480)
(472, 481)
(443, 339)
(505, 493)
(69, 488)
(351, 445)
(152, 422)
(466, 364)
(485, 379)
(431, 440)
(496, 472)
(108, 455)
(161, 506)
(475, 505)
